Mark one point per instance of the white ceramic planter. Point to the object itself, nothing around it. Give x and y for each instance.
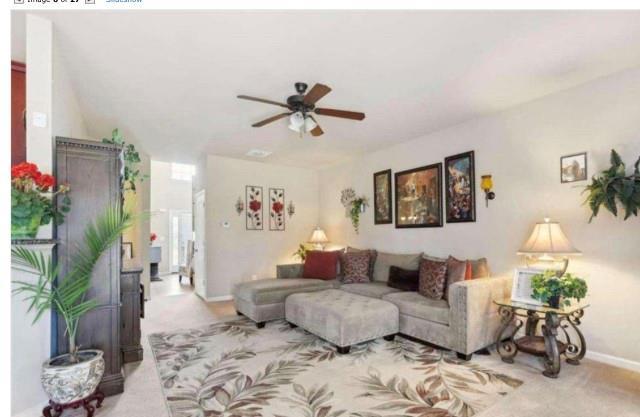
(65, 384)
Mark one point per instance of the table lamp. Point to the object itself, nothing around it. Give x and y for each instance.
(318, 238)
(548, 244)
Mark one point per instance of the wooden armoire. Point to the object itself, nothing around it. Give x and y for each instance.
(93, 171)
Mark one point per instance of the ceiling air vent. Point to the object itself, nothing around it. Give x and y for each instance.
(258, 153)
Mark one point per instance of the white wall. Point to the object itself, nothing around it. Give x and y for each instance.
(521, 148)
(67, 115)
(235, 254)
(166, 194)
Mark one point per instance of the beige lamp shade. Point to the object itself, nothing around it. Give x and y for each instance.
(547, 238)
(318, 237)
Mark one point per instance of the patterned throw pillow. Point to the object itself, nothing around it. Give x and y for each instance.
(432, 278)
(373, 254)
(355, 267)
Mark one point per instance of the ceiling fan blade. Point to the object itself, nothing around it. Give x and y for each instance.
(262, 100)
(316, 131)
(340, 113)
(316, 93)
(270, 119)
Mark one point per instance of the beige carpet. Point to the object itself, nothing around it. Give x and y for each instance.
(589, 390)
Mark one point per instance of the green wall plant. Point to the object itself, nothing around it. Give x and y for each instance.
(612, 187)
(131, 160)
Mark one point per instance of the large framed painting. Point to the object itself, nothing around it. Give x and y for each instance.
(573, 167)
(276, 209)
(254, 207)
(382, 208)
(460, 183)
(419, 197)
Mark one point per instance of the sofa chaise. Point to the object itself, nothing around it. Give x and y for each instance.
(465, 323)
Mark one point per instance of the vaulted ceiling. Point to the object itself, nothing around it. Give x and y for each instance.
(170, 79)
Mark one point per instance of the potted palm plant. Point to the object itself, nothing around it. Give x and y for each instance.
(73, 376)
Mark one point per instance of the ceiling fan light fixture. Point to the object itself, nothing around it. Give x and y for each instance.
(296, 121)
(309, 124)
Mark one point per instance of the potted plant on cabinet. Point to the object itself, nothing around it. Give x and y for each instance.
(32, 204)
(556, 291)
(73, 377)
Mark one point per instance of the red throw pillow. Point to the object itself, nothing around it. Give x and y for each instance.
(321, 265)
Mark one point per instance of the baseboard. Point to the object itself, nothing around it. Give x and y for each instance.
(220, 298)
(614, 361)
(31, 412)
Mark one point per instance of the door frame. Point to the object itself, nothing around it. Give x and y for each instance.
(174, 212)
(199, 257)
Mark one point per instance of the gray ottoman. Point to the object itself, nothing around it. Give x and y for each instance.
(342, 318)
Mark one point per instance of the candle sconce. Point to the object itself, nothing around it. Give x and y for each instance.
(239, 206)
(486, 185)
(291, 209)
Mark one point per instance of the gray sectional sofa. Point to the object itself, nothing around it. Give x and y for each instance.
(465, 323)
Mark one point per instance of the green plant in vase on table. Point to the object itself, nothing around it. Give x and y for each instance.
(32, 205)
(556, 291)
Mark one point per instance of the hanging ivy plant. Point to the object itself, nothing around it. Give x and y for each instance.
(131, 160)
(357, 207)
(612, 187)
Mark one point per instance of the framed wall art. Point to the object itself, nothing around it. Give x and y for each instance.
(573, 167)
(382, 206)
(521, 290)
(276, 209)
(460, 198)
(127, 250)
(253, 195)
(419, 197)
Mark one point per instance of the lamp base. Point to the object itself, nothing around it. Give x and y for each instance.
(560, 266)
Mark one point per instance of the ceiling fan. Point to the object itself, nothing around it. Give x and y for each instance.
(301, 106)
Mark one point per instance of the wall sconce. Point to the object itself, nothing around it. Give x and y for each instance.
(487, 185)
(239, 206)
(291, 209)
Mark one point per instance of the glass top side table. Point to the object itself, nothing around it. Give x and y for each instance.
(563, 321)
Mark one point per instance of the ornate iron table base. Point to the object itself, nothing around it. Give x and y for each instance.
(85, 403)
(547, 345)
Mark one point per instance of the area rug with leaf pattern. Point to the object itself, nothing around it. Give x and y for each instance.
(230, 368)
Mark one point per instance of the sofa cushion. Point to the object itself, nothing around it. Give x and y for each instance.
(403, 279)
(355, 267)
(273, 290)
(373, 254)
(385, 260)
(369, 289)
(415, 305)
(479, 268)
(456, 271)
(321, 265)
(433, 278)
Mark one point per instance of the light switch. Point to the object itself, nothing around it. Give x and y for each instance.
(39, 119)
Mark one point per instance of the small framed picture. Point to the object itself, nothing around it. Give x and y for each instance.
(127, 250)
(382, 208)
(573, 167)
(521, 290)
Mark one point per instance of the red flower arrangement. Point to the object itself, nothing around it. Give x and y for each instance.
(32, 205)
(277, 207)
(152, 237)
(255, 205)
